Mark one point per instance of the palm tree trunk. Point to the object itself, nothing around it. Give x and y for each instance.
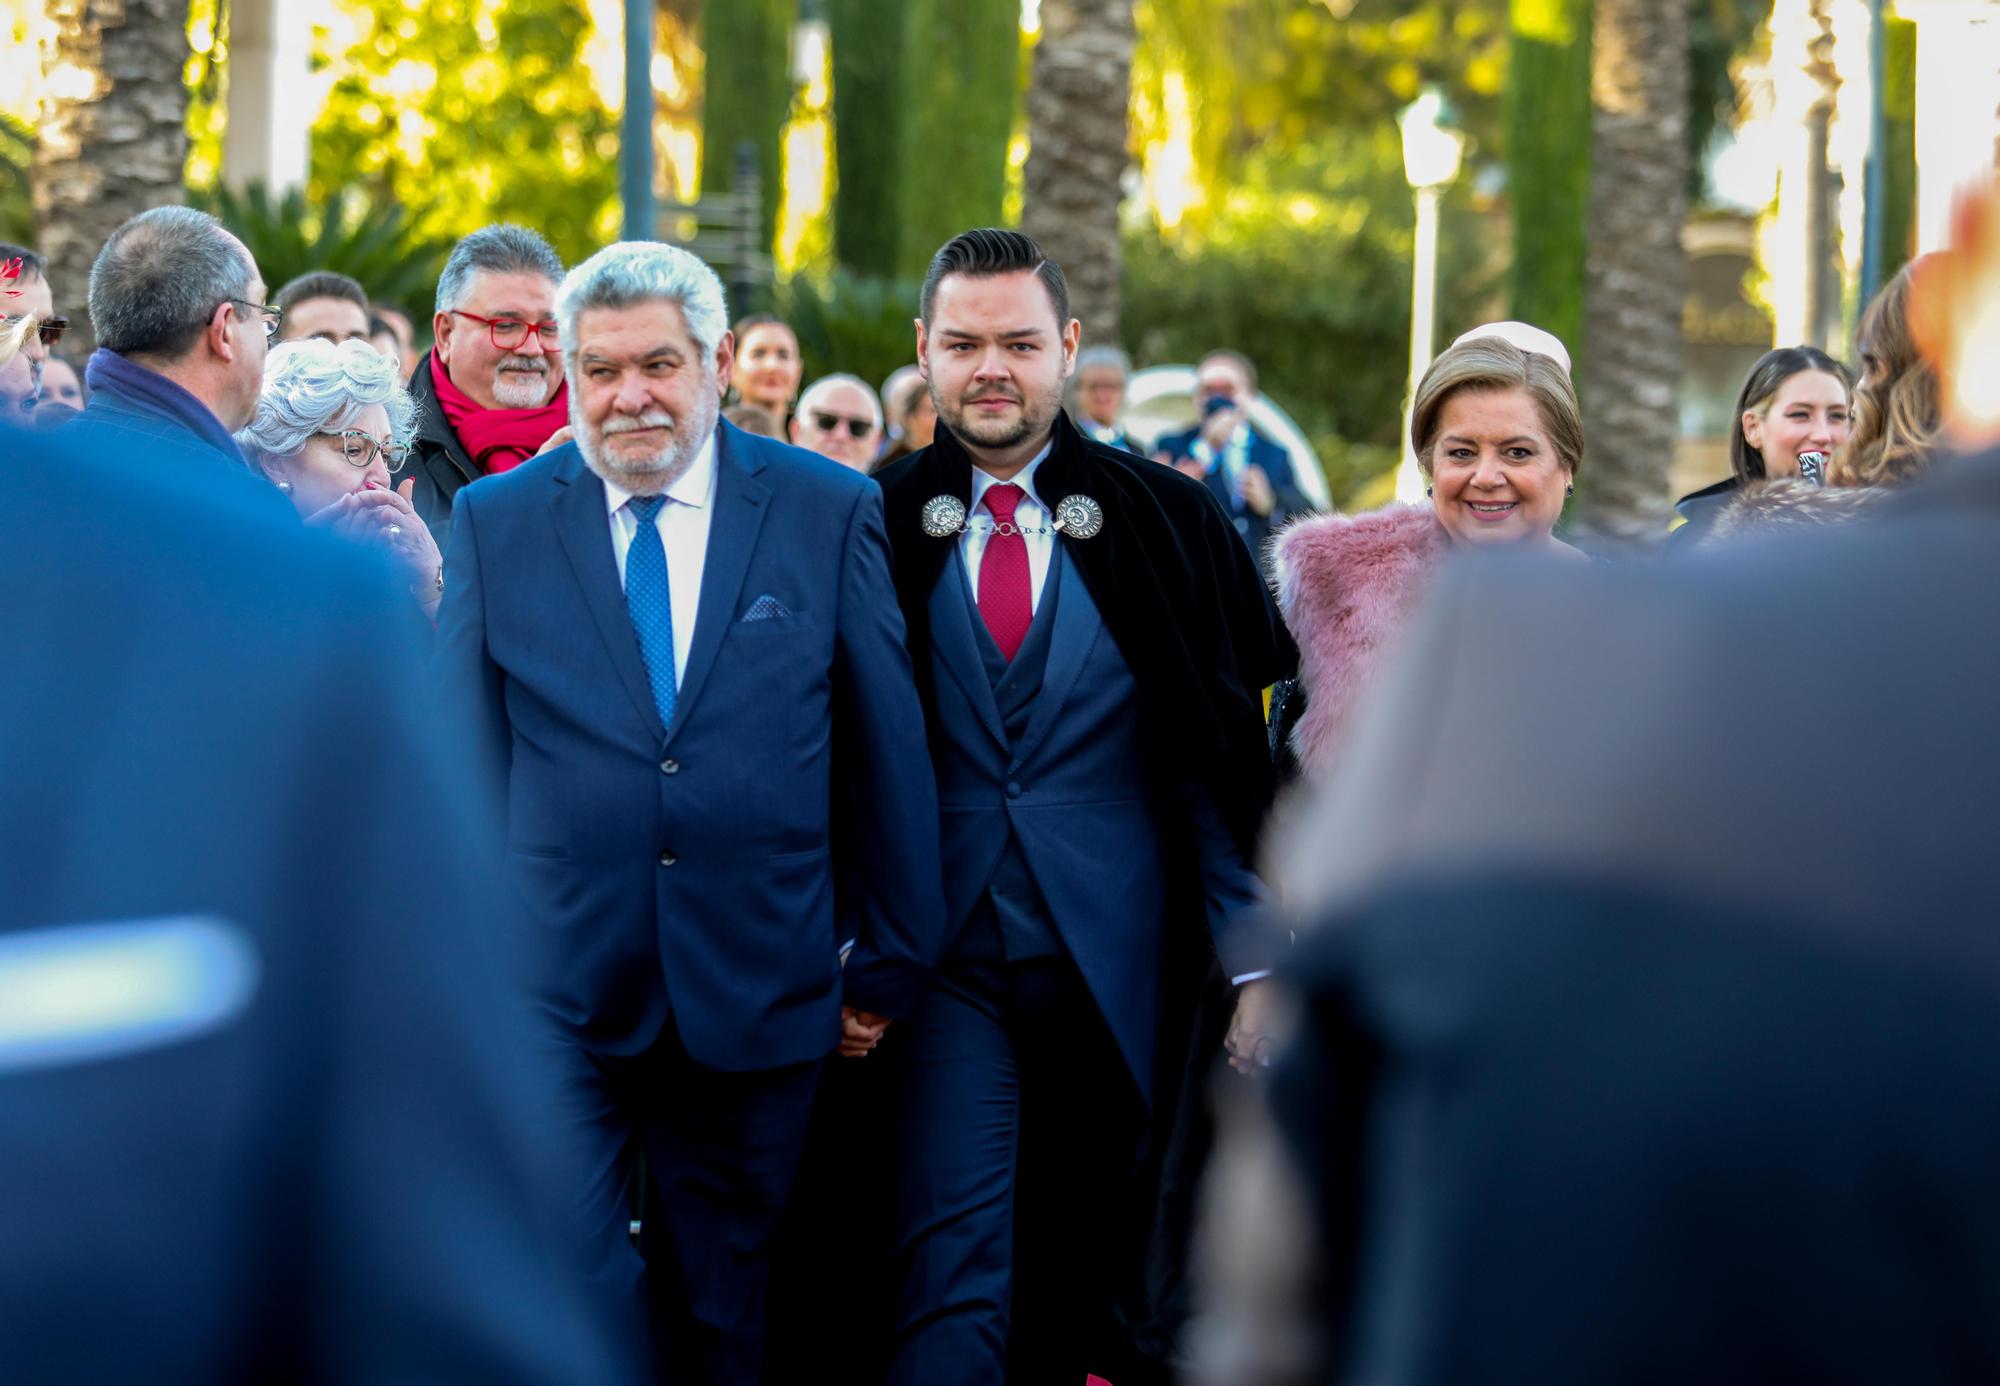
(1078, 97)
(1635, 273)
(113, 134)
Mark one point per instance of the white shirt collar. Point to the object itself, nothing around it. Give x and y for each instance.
(694, 487)
(1025, 478)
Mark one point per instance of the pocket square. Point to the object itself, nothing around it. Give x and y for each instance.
(766, 608)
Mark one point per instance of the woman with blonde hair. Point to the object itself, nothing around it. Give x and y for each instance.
(1498, 436)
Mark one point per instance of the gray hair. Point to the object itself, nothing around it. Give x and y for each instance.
(819, 387)
(160, 278)
(312, 386)
(499, 249)
(1103, 356)
(634, 272)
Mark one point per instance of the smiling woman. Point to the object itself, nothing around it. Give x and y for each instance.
(1498, 435)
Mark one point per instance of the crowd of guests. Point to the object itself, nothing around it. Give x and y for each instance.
(963, 647)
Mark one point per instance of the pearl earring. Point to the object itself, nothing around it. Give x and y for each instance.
(285, 486)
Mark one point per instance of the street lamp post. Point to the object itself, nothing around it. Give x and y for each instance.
(1431, 155)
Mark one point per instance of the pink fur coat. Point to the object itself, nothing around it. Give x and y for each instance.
(1347, 586)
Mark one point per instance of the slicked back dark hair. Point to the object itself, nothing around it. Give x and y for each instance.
(989, 251)
(159, 279)
(322, 284)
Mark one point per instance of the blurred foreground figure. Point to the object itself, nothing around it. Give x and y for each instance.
(267, 1093)
(1649, 1041)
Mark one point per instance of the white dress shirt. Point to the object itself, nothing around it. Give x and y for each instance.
(683, 526)
(1032, 515)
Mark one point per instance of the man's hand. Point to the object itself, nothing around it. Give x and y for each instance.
(1216, 428)
(1257, 492)
(1249, 1040)
(556, 440)
(860, 1032)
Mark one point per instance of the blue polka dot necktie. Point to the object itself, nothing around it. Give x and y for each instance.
(650, 601)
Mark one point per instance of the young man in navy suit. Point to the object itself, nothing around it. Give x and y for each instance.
(1090, 641)
(667, 627)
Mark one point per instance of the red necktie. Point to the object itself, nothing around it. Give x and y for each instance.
(1003, 572)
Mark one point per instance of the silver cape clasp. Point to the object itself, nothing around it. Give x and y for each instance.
(944, 516)
(1079, 517)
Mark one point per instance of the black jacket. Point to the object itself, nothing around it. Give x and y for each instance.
(438, 462)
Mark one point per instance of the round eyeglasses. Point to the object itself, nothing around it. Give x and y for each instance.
(359, 449)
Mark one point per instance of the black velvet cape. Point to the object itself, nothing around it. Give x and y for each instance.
(1186, 603)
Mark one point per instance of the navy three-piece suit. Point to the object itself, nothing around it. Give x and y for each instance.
(1088, 860)
(694, 882)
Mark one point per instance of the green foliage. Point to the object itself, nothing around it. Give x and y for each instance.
(960, 97)
(472, 112)
(851, 322)
(1548, 167)
(868, 101)
(747, 95)
(375, 245)
(1278, 73)
(1307, 272)
(17, 203)
(1899, 140)
(1718, 33)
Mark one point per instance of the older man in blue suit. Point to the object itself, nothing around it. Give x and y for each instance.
(667, 627)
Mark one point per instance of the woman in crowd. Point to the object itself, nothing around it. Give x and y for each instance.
(1795, 400)
(333, 426)
(1898, 411)
(911, 415)
(62, 383)
(768, 366)
(1499, 438)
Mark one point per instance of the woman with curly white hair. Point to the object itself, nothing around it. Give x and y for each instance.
(333, 426)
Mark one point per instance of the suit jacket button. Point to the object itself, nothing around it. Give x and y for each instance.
(670, 766)
(1013, 789)
(668, 859)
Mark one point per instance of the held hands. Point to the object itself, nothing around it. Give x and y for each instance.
(860, 1032)
(1249, 1040)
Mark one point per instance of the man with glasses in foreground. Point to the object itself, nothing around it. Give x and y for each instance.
(490, 394)
(331, 433)
(839, 417)
(178, 307)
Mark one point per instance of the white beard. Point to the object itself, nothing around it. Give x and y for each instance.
(512, 392)
(653, 474)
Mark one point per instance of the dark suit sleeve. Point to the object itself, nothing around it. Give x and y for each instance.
(469, 680)
(895, 894)
(1291, 502)
(1232, 895)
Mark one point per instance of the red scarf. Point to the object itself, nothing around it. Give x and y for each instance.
(497, 439)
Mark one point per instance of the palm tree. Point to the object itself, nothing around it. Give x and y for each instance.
(113, 135)
(1635, 274)
(1078, 96)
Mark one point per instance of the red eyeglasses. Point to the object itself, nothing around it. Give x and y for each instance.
(507, 334)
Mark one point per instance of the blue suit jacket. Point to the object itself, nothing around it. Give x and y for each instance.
(287, 1126)
(1276, 464)
(709, 870)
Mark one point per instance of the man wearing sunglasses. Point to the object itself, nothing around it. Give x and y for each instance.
(177, 304)
(839, 417)
(25, 293)
(490, 394)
